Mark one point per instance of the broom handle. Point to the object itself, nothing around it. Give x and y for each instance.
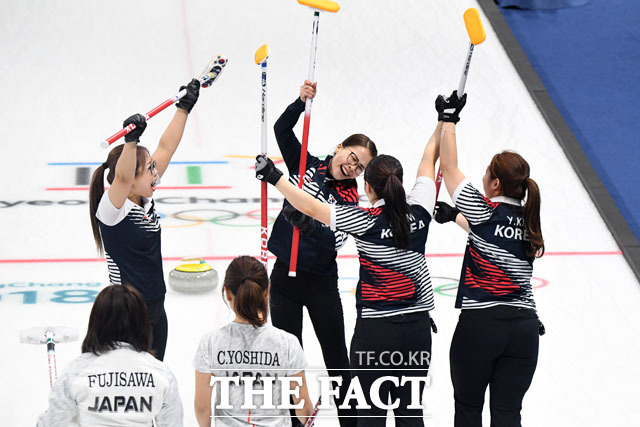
(305, 140)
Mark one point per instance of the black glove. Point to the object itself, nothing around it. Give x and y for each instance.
(305, 223)
(449, 108)
(189, 100)
(266, 171)
(141, 124)
(445, 213)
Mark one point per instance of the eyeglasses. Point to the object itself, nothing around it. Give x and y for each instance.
(153, 167)
(355, 161)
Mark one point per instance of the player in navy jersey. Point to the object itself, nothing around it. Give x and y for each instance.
(124, 221)
(394, 293)
(496, 340)
(332, 180)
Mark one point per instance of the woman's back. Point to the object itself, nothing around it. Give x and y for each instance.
(392, 280)
(119, 387)
(497, 264)
(242, 350)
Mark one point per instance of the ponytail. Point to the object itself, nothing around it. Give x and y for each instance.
(96, 188)
(397, 211)
(96, 191)
(250, 303)
(247, 280)
(384, 174)
(513, 172)
(532, 218)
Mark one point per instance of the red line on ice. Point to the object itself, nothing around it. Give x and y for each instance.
(230, 257)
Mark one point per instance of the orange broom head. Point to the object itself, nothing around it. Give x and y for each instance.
(262, 53)
(326, 5)
(474, 26)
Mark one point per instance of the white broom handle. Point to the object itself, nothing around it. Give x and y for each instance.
(465, 71)
(312, 57)
(264, 109)
(264, 231)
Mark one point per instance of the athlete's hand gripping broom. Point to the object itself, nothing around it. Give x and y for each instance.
(207, 77)
(318, 5)
(261, 59)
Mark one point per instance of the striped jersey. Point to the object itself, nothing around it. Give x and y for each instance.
(317, 252)
(131, 238)
(496, 269)
(392, 281)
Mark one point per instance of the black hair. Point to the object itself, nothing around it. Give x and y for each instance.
(384, 175)
(96, 189)
(119, 314)
(513, 172)
(246, 278)
(358, 139)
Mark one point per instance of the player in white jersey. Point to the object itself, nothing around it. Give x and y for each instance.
(496, 340)
(394, 294)
(115, 382)
(124, 221)
(248, 347)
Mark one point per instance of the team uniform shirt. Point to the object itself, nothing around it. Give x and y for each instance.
(121, 387)
(131, 237)
(316, 252)
(392, 281)
(496, 269)
(238, 350)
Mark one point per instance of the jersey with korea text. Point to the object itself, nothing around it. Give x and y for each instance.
(392, 281)
(131, 238)
(497, 264)
(316, 252)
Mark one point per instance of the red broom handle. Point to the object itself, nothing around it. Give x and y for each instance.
(122, 132)
(293, 263)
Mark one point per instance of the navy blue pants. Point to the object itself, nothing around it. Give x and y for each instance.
(495, 347)
(320, 294)
(159, 328)
(392, 346)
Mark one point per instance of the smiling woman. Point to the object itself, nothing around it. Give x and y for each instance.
(124, 220)
(331, 179)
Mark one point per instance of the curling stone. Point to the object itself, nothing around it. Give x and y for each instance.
(194, 277)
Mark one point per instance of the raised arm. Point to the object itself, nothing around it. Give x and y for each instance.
(172, 136)
(288, 143)
(430, 155)
(126, 166)
(305, 203)
(448, 113)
